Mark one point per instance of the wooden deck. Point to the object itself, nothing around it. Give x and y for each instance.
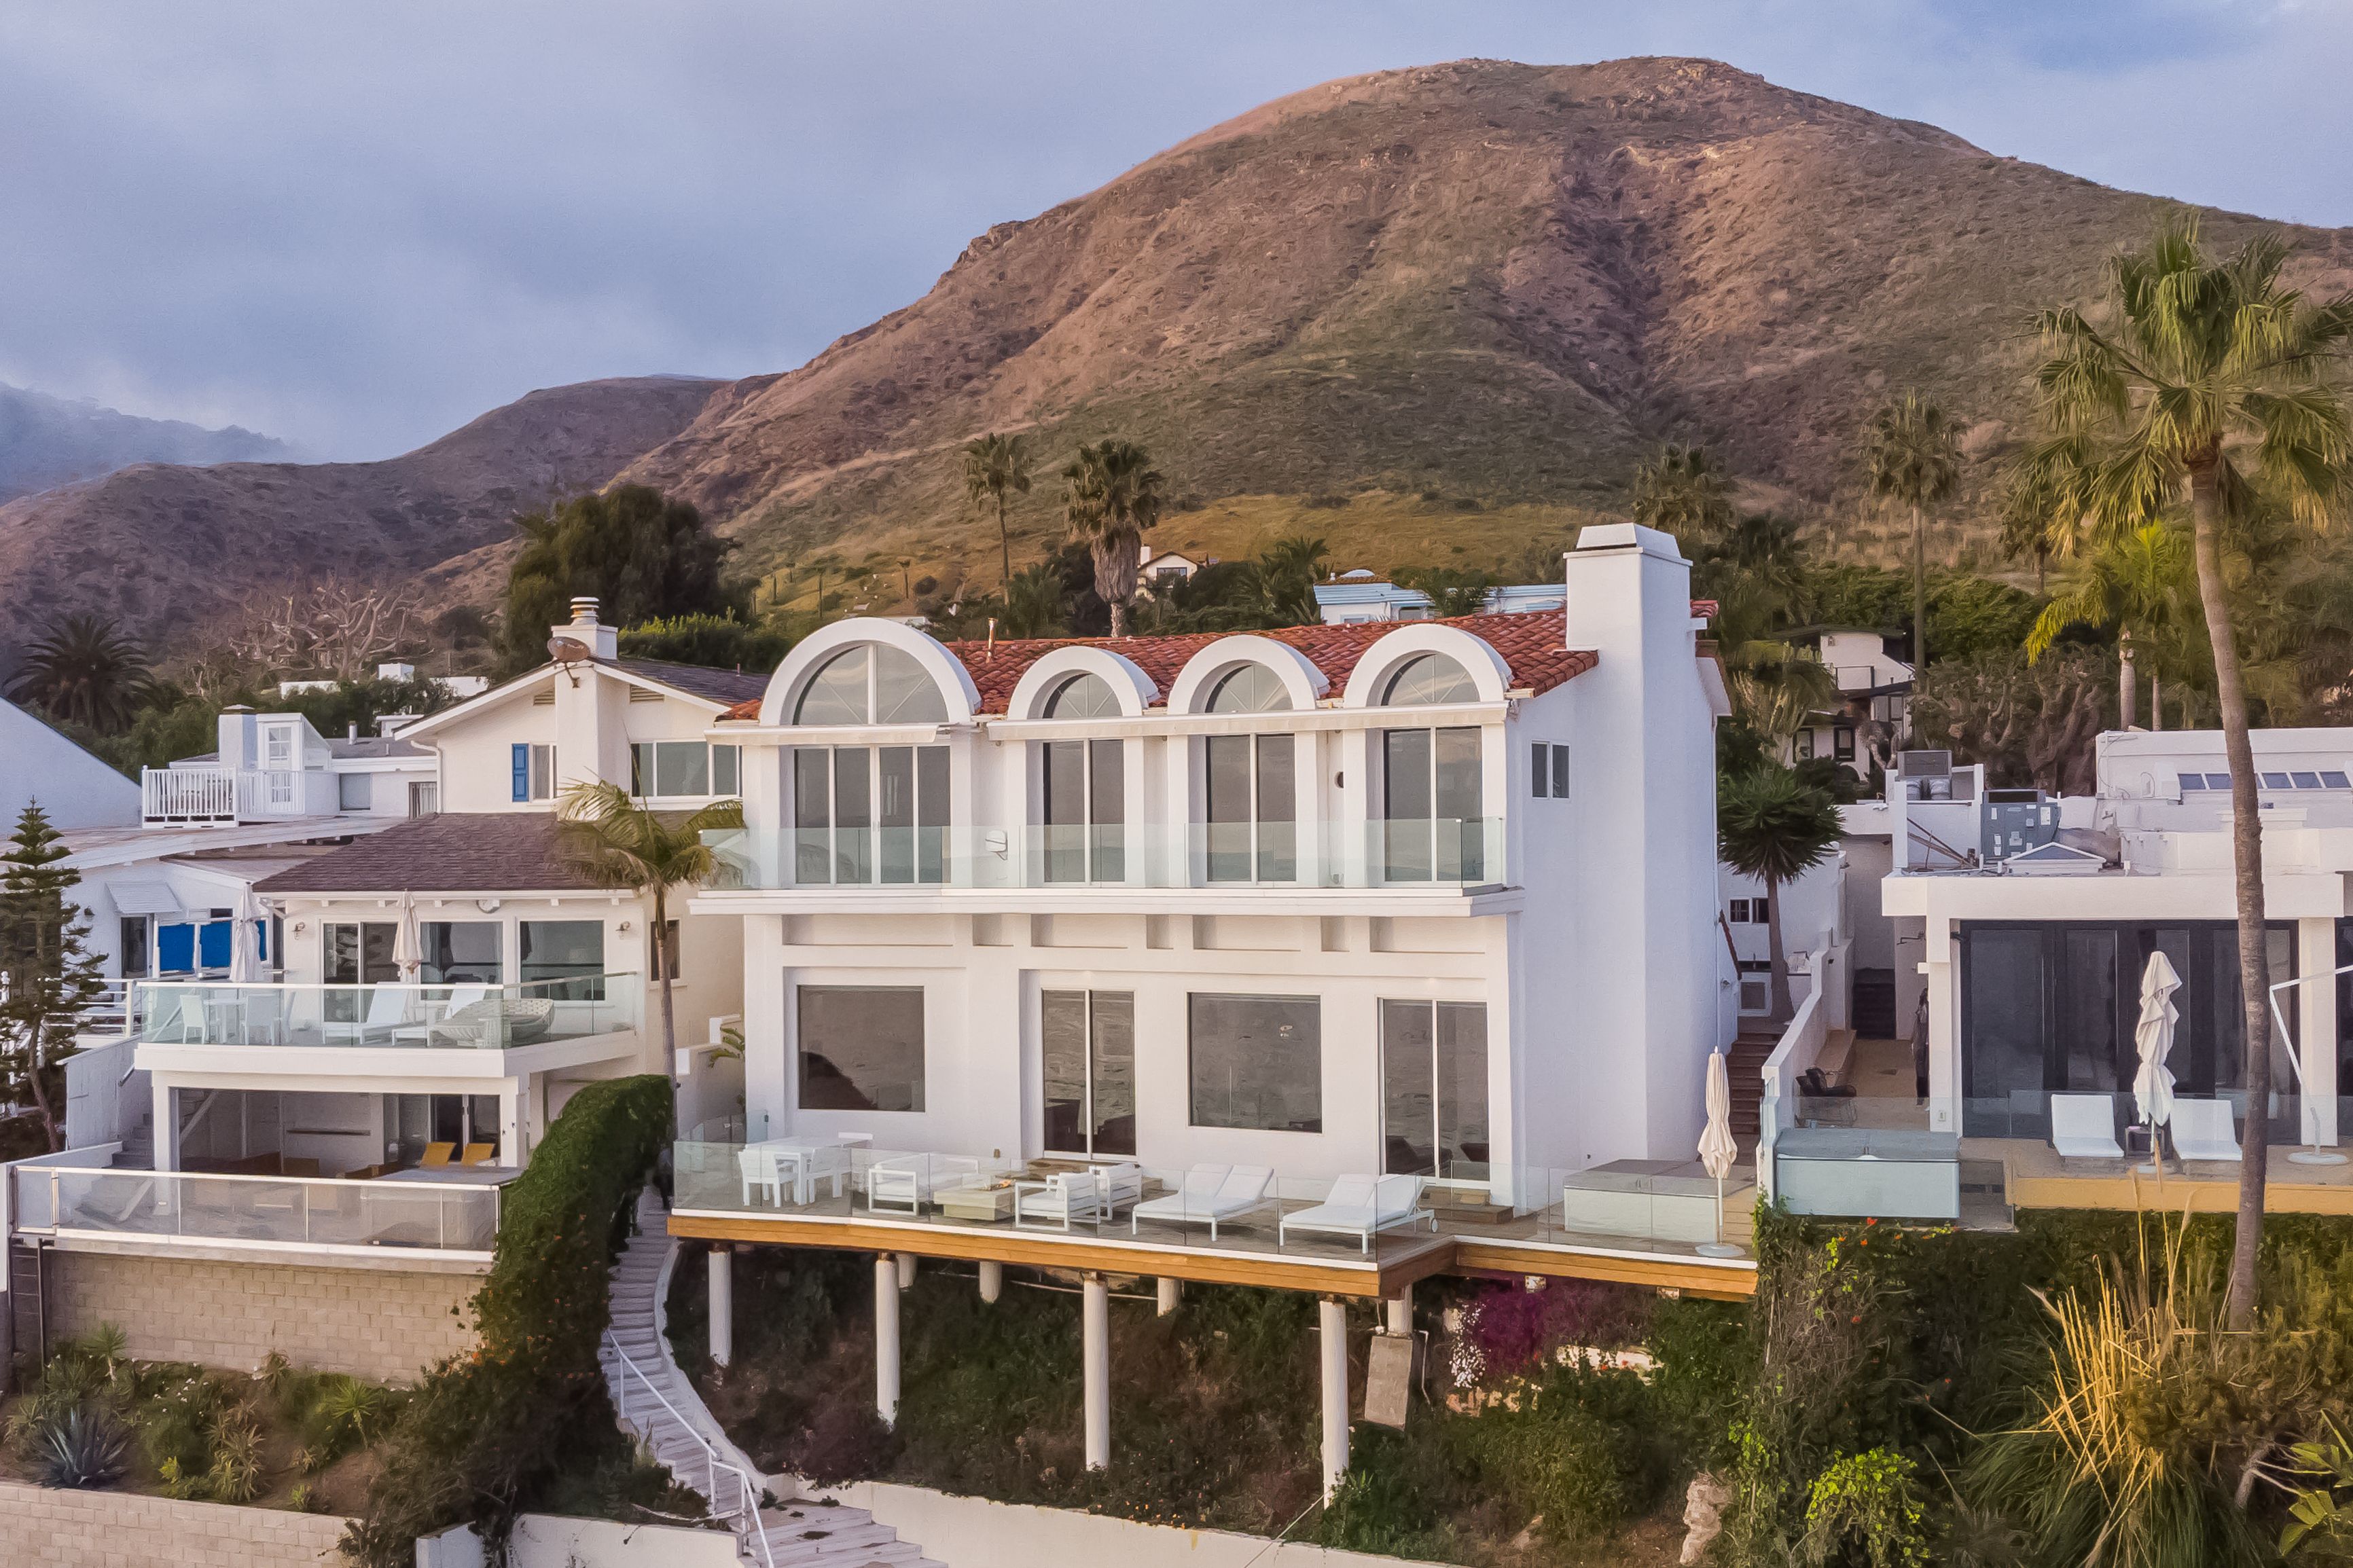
(2034, 1176)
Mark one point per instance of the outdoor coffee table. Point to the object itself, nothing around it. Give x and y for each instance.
(986, 1204)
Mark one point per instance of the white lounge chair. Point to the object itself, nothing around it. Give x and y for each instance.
(461, 998)
(910, 1181)
(1235, 1192)
(2202, 1130)
(2083, 1127)
(1061, 1198)
(387, 1010)
(1360, 1207)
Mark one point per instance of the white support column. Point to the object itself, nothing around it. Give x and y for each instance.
(1332, 1324)
(513, 1147)
(722, 1304)
(1095, 1357)
(166, 1129)
(906, 1270)
(2316, 1020)
(886, 1338)
(992, 1281)
(1169, 1291)
(1400, 1312)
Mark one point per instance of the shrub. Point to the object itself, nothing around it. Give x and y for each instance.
(83, 1447)
(483, 1433)
(720, 642)
(1865, 1508)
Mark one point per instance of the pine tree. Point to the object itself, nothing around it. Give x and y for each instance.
(49, 976)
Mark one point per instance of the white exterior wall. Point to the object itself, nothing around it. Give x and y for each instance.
(73, 787)
(591, 725)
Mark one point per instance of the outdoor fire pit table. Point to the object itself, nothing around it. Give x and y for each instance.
(986, 1204)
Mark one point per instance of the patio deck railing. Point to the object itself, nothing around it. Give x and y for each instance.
(181, 1208)
(236, 794)
(457, 1016)
(1801, 1046)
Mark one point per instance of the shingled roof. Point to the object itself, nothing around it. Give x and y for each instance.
(1530, 642)
(454, 852)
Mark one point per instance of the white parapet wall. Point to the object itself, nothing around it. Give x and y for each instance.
(548, 1541)
(974, 1532)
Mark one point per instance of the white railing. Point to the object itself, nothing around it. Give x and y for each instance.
(235, 795)
(747, 1509)
(454, 1015)
(1800, 1047)
(275, 1214)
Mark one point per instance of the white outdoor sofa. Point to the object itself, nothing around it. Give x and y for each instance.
(1218, 1194)
(1092, 1195)
(1360, 1207)
(2083, 1127)
(909, 1181)
(773, 1163)
(2202, 1130)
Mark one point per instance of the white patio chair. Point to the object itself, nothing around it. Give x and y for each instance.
(2202, 1130)
(1121, 1185)
(820, 1161)
(758, 1165)
(387, 1010)
(2083, 1127)
(1238, 1191)
(1361, 1206)
(1061, 1198)
(911, 1180)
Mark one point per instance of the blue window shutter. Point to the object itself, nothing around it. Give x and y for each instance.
(213, 944)
(521, 771)
(176, 948)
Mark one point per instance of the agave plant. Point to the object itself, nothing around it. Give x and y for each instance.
(84, 1447)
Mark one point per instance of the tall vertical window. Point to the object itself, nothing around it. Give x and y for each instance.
(461, 952)
(424, 797)
(1431, 799)
(870, 813)
(564, 960)
(1434, 1089)
(358, 954)
(1256, 1062)
(1252, 805)
(1087, 1051)
(134, 945)
(534, 772)
(1085, 808)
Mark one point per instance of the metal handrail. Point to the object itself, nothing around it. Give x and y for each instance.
(748, 1506)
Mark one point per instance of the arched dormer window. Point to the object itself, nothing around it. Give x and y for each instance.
(1083, 696)
(1249, 688)
(873, 683)
(1428, 679)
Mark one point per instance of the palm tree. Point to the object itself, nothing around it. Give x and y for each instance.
(2139, 583)
(1111, 495)
(1777, 688)
(2206, 373)
(1771, 826)
(84, 671)
(610, 837)
(1913, 457)
(995, 466)
(1683, 491)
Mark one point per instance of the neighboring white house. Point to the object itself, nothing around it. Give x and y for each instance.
(1874, 702)
(2033, 919)
(73, 788)
(1164, 569)
(1436, 899)
(1356, 597)
(457, 686)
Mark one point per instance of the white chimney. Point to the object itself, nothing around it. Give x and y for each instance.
(237, 739)
(601, 640)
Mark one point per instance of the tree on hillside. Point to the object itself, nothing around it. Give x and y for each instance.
(2141, 584)
(996, 467)
(48, 977)
(1287, 570)
(1453, 590)
(1684, 492)
(1914, 456)
(642, 557)
(720, 642)
(84, 672)
(1770, 826)
(330, 627)
(1111, 496)
(2203, 374)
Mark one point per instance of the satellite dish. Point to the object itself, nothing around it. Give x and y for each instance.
(568, 650)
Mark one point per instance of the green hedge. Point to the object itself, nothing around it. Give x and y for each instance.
(487, 1433)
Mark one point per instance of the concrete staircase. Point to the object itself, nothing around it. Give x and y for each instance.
(138, 1151)
(663, 1410)
(1745, 1063)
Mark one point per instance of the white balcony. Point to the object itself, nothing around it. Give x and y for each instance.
(235, 795)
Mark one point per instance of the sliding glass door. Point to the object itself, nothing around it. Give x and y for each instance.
(1087, 1042)
(1434, 1089)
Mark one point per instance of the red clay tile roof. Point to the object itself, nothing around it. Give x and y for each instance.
(1530, 642)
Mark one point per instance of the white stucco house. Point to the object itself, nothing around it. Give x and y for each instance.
(1436, 899)
(1874, 702)
(73, 788)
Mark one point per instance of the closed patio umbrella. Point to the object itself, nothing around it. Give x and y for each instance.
(2153, 1038)
(1717, 1148)
(405, 954)
(244, 939)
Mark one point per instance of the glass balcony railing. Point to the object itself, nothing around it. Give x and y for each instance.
(179, 1207)
(441, 1017)
(1411, 852)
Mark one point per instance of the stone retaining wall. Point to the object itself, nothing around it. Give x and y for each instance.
(373, 1323)
(78, 1530)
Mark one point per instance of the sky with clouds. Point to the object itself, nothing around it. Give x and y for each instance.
(357, 227)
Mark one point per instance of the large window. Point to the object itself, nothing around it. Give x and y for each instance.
(860, 1047)
(533, 770)
(566, 957)
(1086, 804)
(1431, 801)
(1249, 688)
(459, 953)
(1252, 804)
(1087, 1047)
(1434, 1089)
(2048, 1007)
(870, 813)
(1082, 695)
(359, 954)
(1426, 678)
(1256, 1062)
(354, 792)
(873, 683)
(688, 769)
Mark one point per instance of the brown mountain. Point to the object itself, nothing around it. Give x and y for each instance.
(167, 550)
(1431, 314)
